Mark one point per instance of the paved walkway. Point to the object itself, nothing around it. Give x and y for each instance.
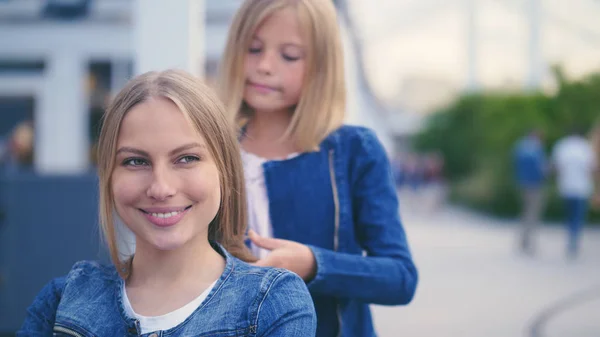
(473, 283)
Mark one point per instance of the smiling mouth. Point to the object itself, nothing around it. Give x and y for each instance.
(165, 214)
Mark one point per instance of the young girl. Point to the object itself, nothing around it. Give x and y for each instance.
(322, 200)
(169, 167)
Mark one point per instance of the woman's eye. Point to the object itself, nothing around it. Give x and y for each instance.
(188, 159)
(134, 162)
(253, 50)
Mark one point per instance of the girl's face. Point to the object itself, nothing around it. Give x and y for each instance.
(275, 63)
(165, 183)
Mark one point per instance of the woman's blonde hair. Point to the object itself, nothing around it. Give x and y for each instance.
(323, 101)
(207, 115)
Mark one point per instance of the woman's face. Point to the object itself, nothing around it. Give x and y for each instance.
(165, 183)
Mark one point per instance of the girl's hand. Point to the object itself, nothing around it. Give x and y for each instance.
(293, 256)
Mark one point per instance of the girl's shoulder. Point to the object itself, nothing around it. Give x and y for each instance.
(348, 133)
(356, 143)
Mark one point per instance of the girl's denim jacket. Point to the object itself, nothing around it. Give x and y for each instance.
(341, 201)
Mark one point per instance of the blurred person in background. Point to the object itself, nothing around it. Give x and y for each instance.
(321, 195)
(17, 149)
(531, 168)
(595, 140)
(413, 172)
(575, 163)
(434, 182)
(398, 171)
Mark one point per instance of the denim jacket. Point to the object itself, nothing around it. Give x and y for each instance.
(341, 201)
(245, 301)
(530, 163)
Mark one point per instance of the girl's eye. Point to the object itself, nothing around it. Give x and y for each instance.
(252, 50)
(290, 58)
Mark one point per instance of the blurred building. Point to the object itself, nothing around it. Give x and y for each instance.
(60, 62)
(64, 58)
(422, 53)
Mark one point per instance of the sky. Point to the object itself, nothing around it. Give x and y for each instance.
(416, 51)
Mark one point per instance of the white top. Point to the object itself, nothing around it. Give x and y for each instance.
(166, 321)
(575, 162)
(259, 219)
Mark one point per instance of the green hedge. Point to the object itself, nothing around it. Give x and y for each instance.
(477, 133)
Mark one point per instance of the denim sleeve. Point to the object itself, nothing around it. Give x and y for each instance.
(287, 309)
(386, 274)
(42, 312)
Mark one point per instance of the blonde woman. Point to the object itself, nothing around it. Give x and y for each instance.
(169, 168)
(322, 200)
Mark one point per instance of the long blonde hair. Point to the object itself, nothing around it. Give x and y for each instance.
(207, 115)
(322, 104)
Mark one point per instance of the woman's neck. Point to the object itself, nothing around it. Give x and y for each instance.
(191, 264)
(164, 281)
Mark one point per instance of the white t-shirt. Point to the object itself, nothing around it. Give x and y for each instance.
(166, 321)
(259, 219)
(575, 161)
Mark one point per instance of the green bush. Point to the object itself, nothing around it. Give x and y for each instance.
(477, 133)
